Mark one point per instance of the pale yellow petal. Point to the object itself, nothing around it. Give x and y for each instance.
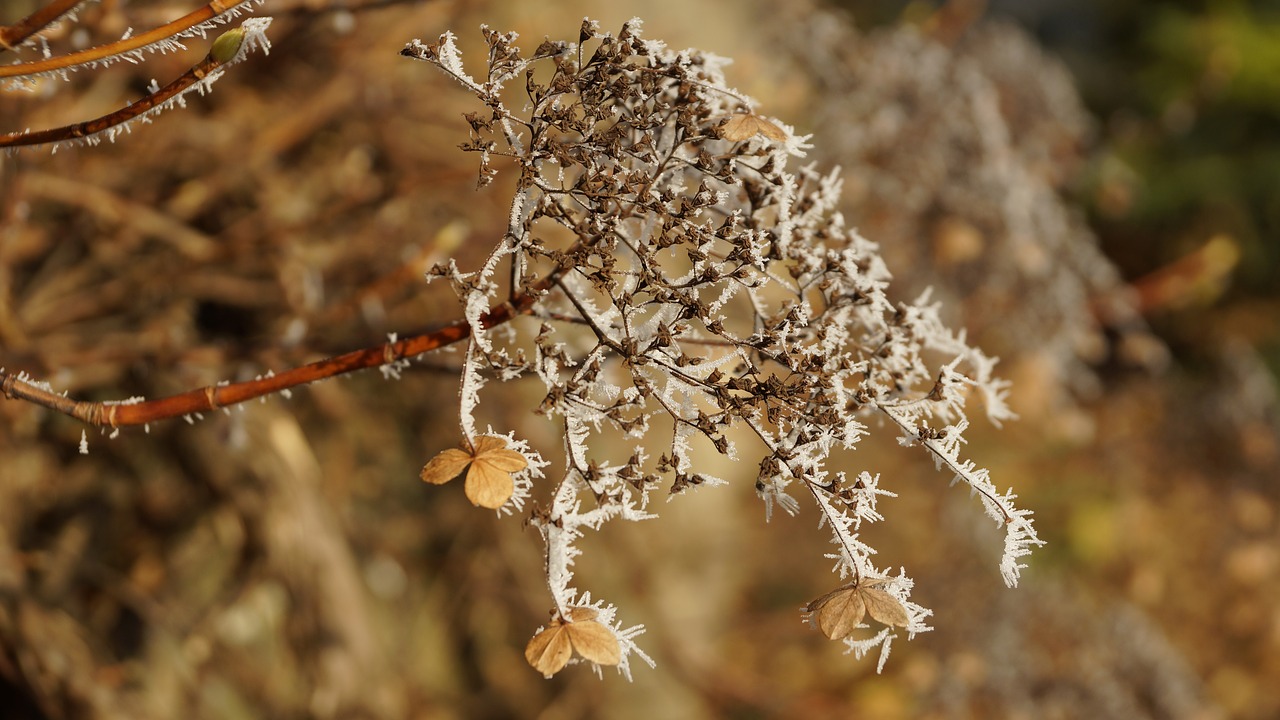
(884, 607)
(446, 466)
(487, 487)
(594, 642)
(549, 650)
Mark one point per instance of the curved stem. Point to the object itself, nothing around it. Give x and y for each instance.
(139, 107)
(137, 42)
(14, 34)
(115, 414)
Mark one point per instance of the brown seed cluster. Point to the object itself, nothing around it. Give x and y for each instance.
(696, 287)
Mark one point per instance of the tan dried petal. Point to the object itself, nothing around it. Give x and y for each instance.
(838, 612)
(884, 607)
(549, 650)
(493, 450)
(746, 125)
(446, 466)
(489, 482)
(487, 486)
(595, 642)
(578, 614)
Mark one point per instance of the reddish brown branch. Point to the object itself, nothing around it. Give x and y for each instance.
(35, 22)
(119, 117)
(112, 414)
(120, 47)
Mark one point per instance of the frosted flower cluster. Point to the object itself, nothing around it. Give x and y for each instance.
(696, 287)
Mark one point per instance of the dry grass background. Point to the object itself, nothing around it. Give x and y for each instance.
(284, 561)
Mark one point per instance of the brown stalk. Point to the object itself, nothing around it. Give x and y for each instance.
(118, 117)
(111, 414)
(14, 34)
(182, 24)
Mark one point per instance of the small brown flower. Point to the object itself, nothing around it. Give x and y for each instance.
(841, 610)
(746, 125)
(489, 482)
(549, 651)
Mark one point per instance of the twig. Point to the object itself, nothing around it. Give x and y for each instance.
(230, 48)
(139, 107)
(14, 34)
(116, 414)
(136, 43)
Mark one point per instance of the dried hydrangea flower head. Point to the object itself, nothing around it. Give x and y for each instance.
(691, 282)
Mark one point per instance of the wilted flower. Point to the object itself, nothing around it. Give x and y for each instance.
(489, 482)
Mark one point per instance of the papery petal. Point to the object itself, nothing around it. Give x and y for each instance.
(485, 444)
(549, 650)
(594, 642)
(505, 460)
(488, 487)
(884, 607)
(841, 613)
(446, 466)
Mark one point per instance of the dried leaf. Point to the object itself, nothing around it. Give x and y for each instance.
(549, 651)
(489, 482)
(746, 125)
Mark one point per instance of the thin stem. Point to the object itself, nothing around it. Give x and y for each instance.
(13, 35)
(120, 47)
(940, 454)
(112, 414)
(134, 109)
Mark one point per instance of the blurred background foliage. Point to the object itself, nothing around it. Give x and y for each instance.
(1187, 101)
(1106, 224)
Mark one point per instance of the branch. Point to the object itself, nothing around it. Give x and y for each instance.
(136, 44)
(117, 414)
(228, 49)
(13, 35)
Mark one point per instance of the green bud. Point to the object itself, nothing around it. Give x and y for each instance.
(227, 45)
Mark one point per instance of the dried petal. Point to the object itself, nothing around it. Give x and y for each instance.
(595, 642)
(578, 614)
(493, 451)
(838, 612)
(487, 486)
(746, 125)
(489, 482)
(446, 466)
(549, 650)
(884, 607)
